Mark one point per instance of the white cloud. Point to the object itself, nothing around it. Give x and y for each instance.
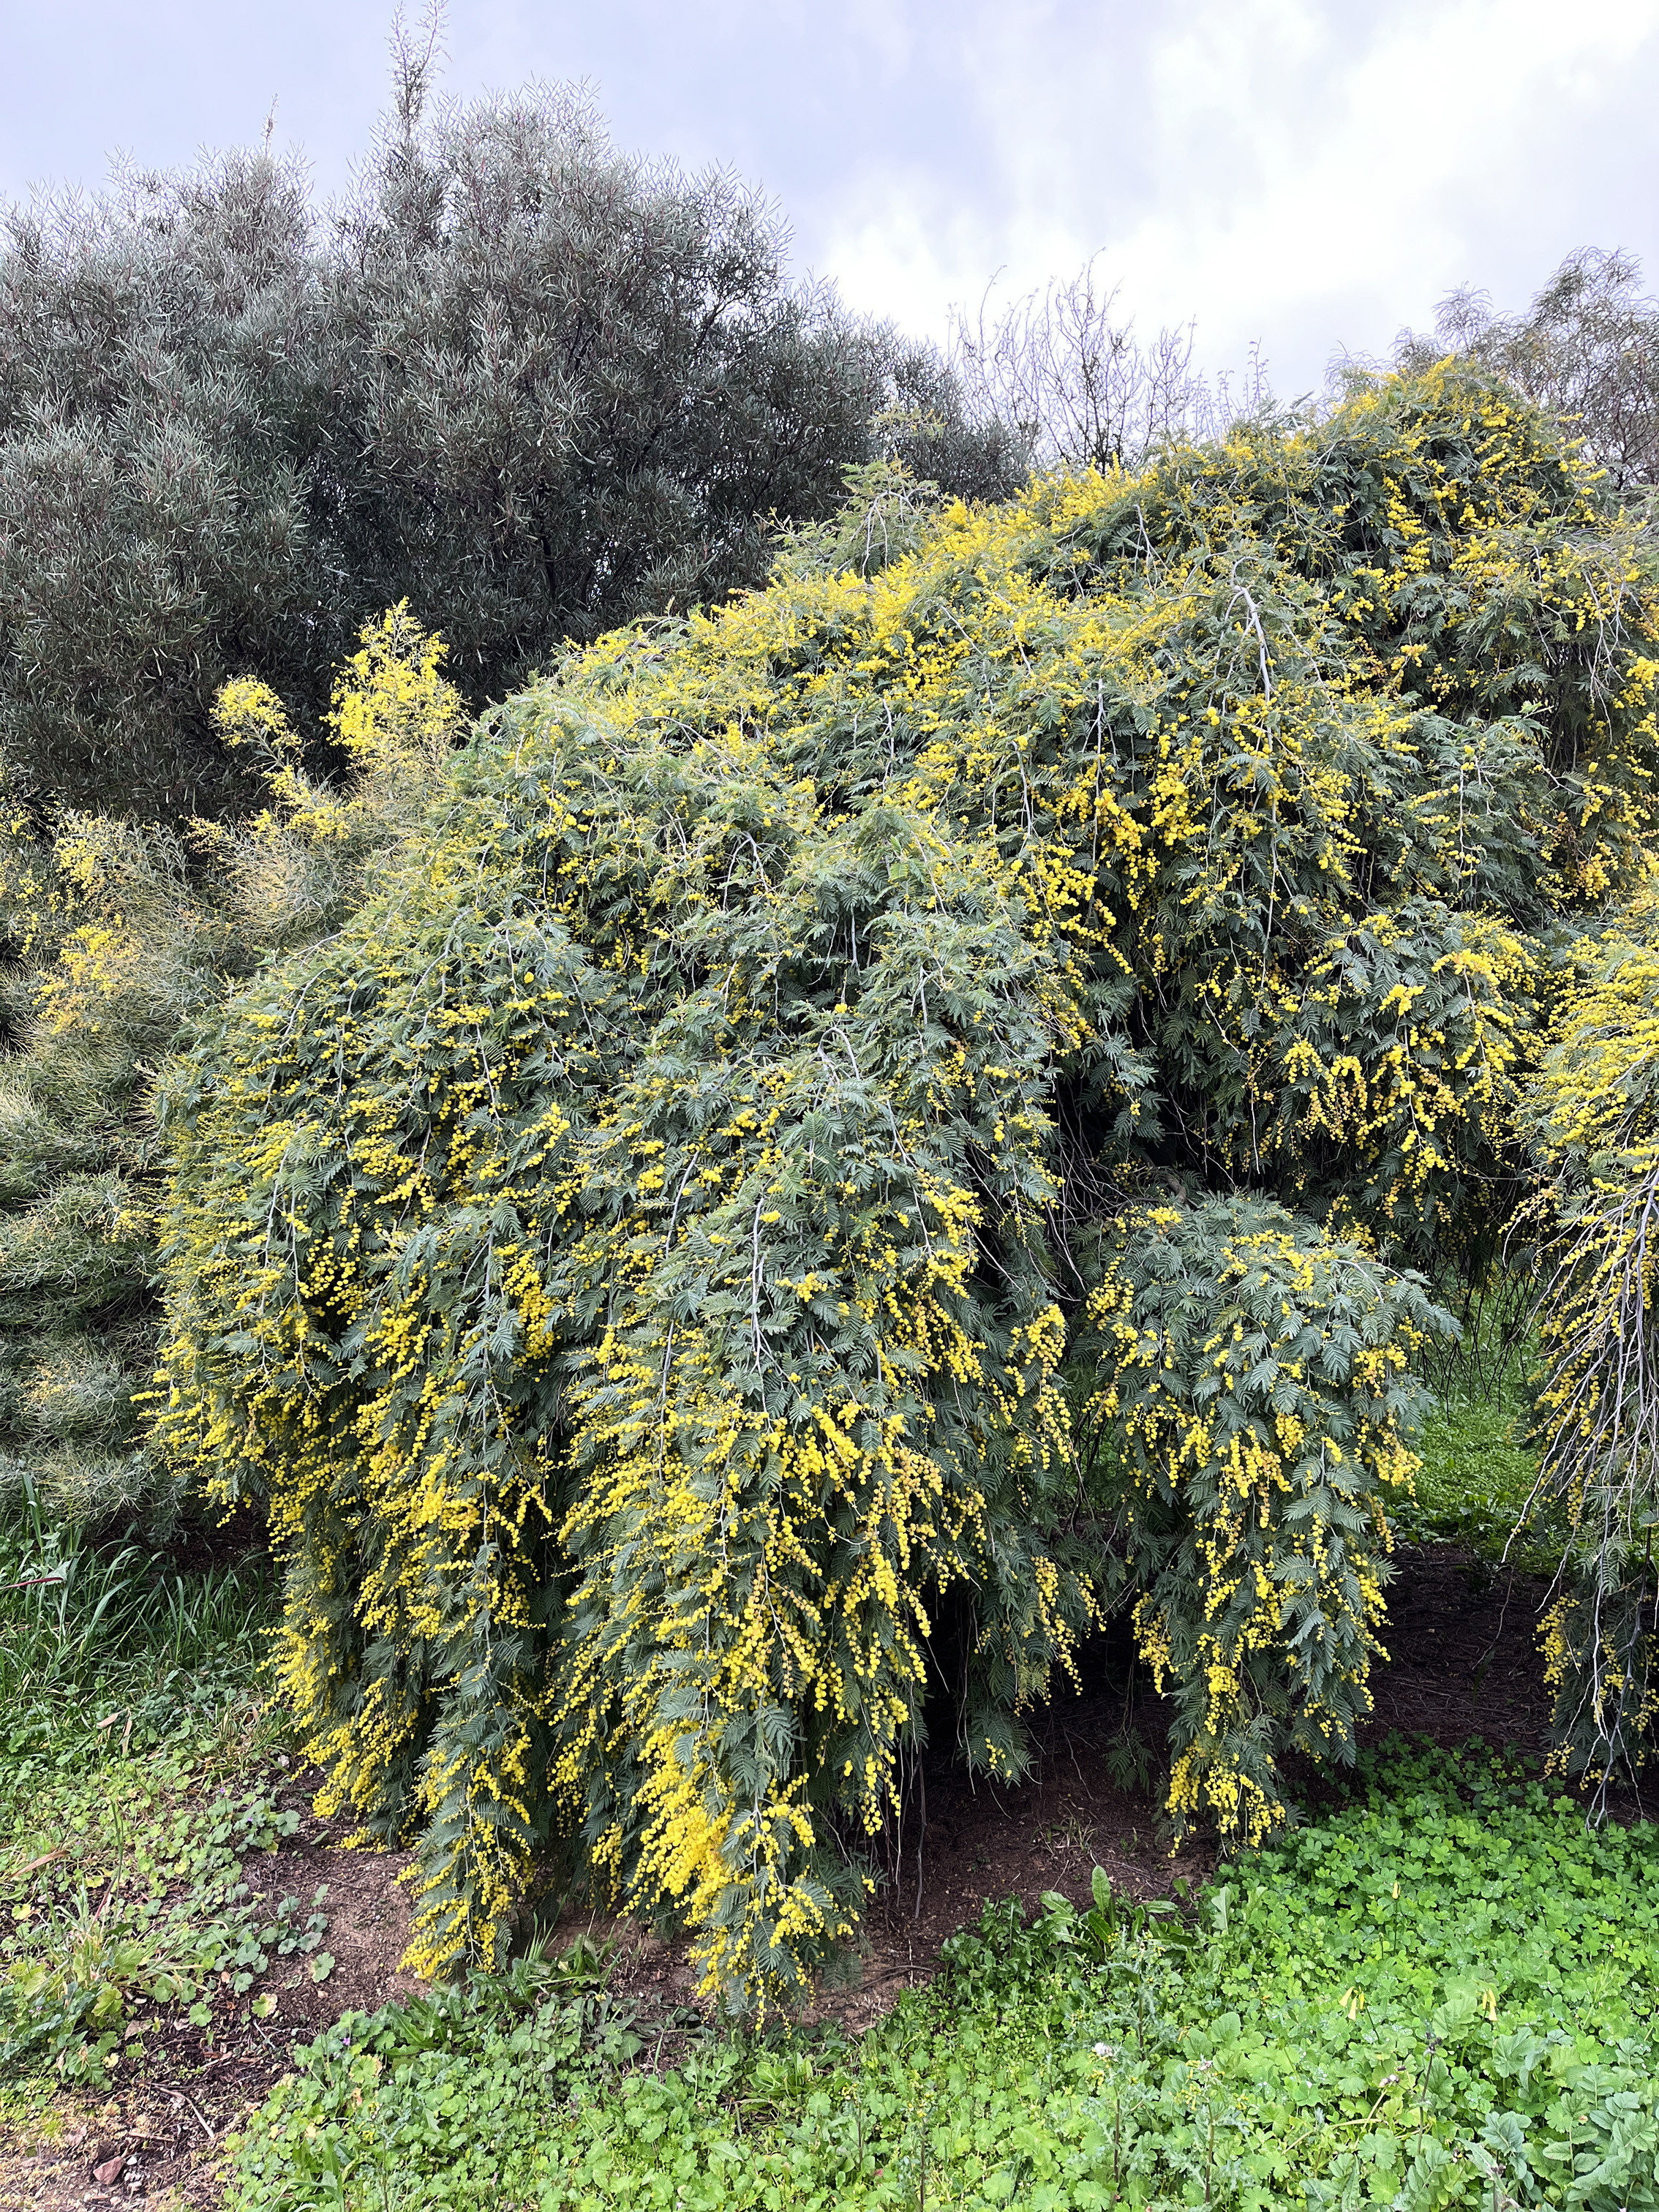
(1309, 176)
(1311, 173)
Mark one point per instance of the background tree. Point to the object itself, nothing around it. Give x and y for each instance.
(1587, 349)
(166, 391)
(586, 389)
(519, 377)
(1062, 369)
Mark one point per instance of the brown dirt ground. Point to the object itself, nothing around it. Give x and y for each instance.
(1463, 1654)
(1463, 1664)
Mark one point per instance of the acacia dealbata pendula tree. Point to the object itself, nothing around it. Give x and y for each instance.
(892, 1117)
(117, 939)
(1592, 1123)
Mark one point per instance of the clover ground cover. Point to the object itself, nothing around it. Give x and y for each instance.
(1442, 1993)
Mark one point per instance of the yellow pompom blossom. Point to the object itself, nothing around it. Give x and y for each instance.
(1594, 1124)
(120, 935)
(1257, 1393)
(639, 1254)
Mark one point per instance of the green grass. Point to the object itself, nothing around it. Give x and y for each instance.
(1478, 1474)
(1444, 1994)
(95, 1634)
(135, 1724)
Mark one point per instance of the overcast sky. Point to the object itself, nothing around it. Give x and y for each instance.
(1312, 176)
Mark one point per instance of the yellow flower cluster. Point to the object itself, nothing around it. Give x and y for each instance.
(639, 1255)
(1256, 1384)
(1594, 1121)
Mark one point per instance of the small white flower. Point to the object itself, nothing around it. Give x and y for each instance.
(1102, 2051)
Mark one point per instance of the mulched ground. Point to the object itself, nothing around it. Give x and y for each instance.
(1463, 1664)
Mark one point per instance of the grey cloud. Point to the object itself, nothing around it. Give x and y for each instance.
(984, 135)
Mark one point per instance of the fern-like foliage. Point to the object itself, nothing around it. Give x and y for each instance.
(1595, 1134)
(120, 937)
(639, 1255)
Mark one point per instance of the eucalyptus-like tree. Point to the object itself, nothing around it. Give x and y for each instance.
(1587, 349)
(531, 386)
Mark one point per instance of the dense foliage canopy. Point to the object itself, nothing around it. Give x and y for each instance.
(520, 379)
(117, 937)
(882, 1119)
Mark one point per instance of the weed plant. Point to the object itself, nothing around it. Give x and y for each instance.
(1442, 1993)
(134, 1719)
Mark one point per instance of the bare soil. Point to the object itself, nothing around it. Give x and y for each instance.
(1464, 1665)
